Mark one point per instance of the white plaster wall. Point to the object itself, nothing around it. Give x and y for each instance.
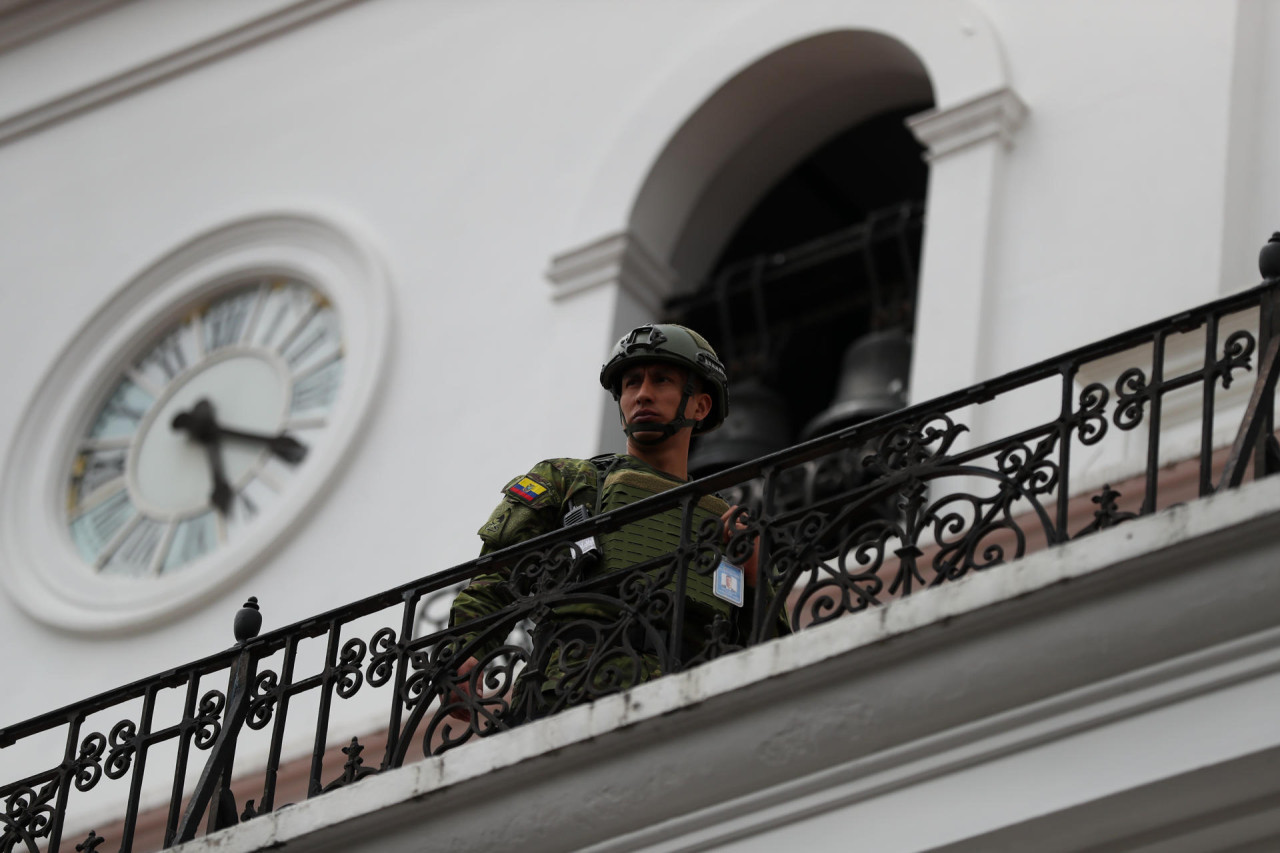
(471, 142)
(1252, 199)
(450, 134)
(34, 72)
(1113, 193)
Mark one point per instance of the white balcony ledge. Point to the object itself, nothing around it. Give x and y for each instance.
(1117, 692)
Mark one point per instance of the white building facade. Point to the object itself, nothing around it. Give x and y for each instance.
(437, 218)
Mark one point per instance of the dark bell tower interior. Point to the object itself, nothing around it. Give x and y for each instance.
(829, 256)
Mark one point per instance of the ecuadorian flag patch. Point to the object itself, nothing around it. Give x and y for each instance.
(527, 489)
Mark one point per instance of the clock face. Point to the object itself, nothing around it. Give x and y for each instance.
(202, 432)
(194, 422)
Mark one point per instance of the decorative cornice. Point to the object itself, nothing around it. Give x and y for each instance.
(169, 65)
(618, 258)
(23, 21)
(995, 115)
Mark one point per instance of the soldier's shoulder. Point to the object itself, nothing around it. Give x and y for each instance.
(551, 481)
(556, 467)
(569, 465)
(566, 470)
(588, 468)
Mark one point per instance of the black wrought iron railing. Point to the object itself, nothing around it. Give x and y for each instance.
(837, 525)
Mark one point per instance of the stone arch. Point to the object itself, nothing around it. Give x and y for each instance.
(755, 128)
(726, 124)
(951, 40)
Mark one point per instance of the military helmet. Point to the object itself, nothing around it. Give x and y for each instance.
(668, 342)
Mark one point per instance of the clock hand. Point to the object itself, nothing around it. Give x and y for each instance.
(198, 423)
(283, 445)
(201, 425)
(221, 496)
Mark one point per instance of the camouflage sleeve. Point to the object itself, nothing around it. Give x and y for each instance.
(531, 505)
(780, 627)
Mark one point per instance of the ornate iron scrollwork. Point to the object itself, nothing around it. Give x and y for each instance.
(28, 816)
(884, 509)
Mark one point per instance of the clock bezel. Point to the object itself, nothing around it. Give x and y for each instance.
(39, 566)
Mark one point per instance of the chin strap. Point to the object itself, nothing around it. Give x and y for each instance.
(667, 429)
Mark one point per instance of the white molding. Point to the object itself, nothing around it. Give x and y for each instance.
(174, 63)
(619, 258)
(39, 566)
(28, 22)
(967, 143)
(792, 692)
(1062, 717)
(996, 115)
(1201, 675)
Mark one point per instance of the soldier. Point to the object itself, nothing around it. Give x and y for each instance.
(669, 386)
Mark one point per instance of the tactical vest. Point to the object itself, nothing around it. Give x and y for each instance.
(657, 535)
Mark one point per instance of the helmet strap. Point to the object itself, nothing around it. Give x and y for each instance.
(667, 429)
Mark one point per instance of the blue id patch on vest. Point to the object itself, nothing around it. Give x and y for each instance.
(728, 583)
(528, 489)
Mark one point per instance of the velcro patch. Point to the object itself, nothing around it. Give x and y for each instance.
(528, 489)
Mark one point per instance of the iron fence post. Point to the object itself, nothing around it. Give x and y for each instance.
(1256, 435)
(215, 779)
(1268, 331)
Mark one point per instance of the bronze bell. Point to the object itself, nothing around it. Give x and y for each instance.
(873, 382)
(757, 426)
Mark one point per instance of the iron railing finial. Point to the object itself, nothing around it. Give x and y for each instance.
(248, 621)
(1269, 258)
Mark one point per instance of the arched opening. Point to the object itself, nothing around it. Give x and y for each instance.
(722, 127)
(829, 257)
(807, 235)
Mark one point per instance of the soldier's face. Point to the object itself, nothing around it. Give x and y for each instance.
(651, 394)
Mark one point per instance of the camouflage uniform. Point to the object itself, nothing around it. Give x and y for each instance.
(535, 504)
(601, 627)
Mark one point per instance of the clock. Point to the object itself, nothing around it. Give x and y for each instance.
(205, 428)
(193, 423)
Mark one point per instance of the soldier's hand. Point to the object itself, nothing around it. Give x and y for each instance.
(734, 521)
(461, 693)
